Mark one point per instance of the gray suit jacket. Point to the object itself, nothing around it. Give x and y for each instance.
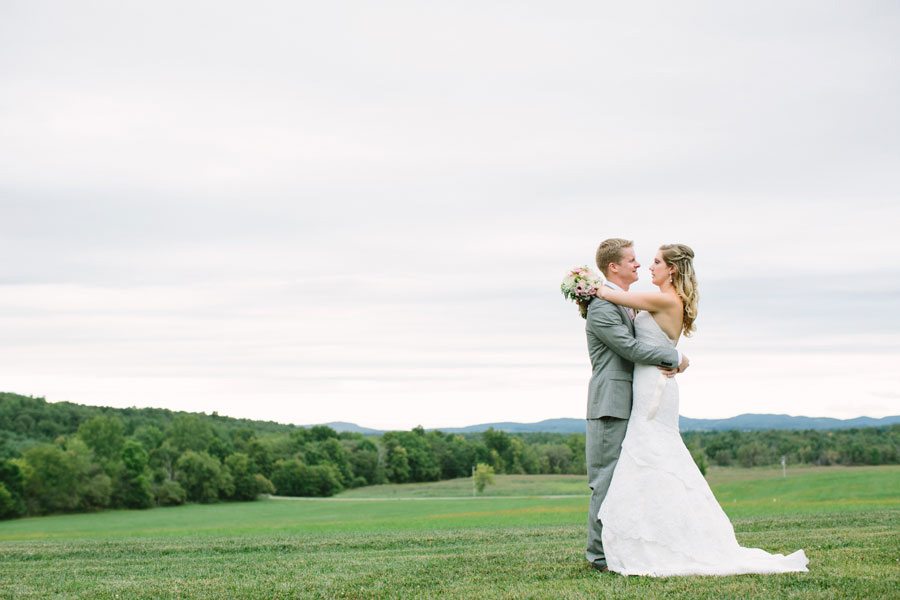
(613, 351)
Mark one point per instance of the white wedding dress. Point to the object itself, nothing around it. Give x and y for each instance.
(659, 516)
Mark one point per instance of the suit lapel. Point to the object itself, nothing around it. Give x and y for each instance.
(622, 311)
(627, 318)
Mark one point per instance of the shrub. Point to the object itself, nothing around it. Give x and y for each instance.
(484, 475)
(133, 489)
(202, 477)
(247, 484)
(295, 478)
(170, 493)
(8, 507)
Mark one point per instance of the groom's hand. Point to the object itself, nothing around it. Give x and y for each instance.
(685, 363)
(668, 372)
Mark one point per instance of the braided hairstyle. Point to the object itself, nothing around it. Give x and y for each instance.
(684, 279)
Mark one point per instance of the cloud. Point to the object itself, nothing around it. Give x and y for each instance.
(321, 212)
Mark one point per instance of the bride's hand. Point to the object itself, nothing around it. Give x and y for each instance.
(599, 292)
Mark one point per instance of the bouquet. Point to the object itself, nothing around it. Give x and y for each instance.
(580, 285)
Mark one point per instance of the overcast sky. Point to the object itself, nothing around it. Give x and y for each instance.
(356, 211)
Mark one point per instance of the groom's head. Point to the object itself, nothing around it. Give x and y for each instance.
(616, 260)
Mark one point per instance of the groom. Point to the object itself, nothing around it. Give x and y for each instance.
(613, 350)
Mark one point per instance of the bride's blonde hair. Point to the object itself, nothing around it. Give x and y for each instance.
(685, 281)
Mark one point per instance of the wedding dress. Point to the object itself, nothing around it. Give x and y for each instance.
(659, 516)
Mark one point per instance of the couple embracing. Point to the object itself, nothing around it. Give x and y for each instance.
(651, 512)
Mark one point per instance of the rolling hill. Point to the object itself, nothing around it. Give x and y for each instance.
(745, 422)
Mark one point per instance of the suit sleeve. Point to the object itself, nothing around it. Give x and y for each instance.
(605, 321)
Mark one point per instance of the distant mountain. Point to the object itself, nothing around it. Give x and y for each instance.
(546, 426)
(340, 426)
(744, 422)
(753, 421)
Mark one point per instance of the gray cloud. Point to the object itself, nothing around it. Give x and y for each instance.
(347, 202)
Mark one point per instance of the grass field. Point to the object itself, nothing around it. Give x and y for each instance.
(523, 539)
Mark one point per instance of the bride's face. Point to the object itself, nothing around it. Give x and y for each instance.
(659, 270)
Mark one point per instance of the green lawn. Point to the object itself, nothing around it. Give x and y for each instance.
(503, 486)
(523, 540)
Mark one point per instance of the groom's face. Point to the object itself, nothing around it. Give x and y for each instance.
(627, 267)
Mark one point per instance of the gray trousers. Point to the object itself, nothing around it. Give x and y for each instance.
(603, 444)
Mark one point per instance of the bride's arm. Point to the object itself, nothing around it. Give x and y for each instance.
(649, 301)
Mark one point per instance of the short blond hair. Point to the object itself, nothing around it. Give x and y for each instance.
(610, 251)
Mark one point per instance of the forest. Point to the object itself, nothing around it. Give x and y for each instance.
(63, 457)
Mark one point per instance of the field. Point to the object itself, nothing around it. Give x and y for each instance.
(522, 539)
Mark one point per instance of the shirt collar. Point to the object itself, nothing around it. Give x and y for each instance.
(613, 286)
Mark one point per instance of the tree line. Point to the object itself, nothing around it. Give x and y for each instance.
(63, 457)
(861, 446)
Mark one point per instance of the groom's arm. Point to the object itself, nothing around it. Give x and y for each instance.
(605, 321)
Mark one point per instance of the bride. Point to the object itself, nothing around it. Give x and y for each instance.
(659, 516)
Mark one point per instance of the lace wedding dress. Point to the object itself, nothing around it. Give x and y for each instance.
(659, 516)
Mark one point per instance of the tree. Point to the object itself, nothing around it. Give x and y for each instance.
(190, 432)
(722, 457)
(754, 453)
(699, 457)
(290, 478)
(81, 469)
(150, 436)
(263, 485)
(219, 447)
(396, 466)
(575, 442)
(420, 458)
(61, 480)
(164, 457)
(170, 493)
(8, 505)
(498, 442)
(13, 481)
(363, 457)
(320, 433)
(484, 475)
(529, 459)
(247, 484)
(329, 451)
(104, 435)
(326, 480)
(50, 483)
(295, 478)
(456, 456)
(261, 455)
(556, 458)
(509, 454)
(202, 477)
(133, 489)
(93, 485)
(240, 438)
